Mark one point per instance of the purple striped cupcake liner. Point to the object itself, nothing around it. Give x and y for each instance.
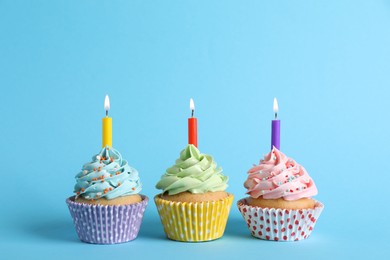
(280, 224)
(98, 224)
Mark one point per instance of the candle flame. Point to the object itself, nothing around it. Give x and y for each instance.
(106, 103)
(192, 107)
(276, 107)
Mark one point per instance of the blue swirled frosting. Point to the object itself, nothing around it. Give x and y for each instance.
(108, 176)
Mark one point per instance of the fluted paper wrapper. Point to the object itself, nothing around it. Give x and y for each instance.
(194, 222)
(99, 224)
(280, 224)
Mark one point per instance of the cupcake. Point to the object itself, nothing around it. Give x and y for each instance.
(107, 207)
(279, 206)
(193, 205)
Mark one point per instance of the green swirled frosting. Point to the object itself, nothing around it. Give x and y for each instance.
(193, 172)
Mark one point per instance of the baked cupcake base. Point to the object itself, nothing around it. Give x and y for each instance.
(124, 200)
(280, 224)
(107, 224)
(304, 203)
(194, 221)
(195, 197)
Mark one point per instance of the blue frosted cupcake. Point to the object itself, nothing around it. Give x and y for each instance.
(107, 207)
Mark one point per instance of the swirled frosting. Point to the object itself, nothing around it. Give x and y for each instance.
(278, 176)
(107, 176)
(193, 172)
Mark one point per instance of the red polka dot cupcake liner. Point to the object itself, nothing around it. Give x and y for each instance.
(280, 224)
(99, 224)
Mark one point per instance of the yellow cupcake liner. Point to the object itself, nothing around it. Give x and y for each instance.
(194, 221)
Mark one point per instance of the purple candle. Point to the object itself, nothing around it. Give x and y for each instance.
(275, 136)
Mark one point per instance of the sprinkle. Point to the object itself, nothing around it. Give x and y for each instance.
(291, 190)
(98, 157)
(274, 157)
(261, 172)
(85, 172)
(133, 188)
(78, 193)
(111, 159)
(262, 191)
(264, 179)
(119, 184)
(101, 177)
(98, 194)
(118, 173)
(82, 189)
(102, 180)
(99, 169)
(103, 158)
(280, 183)
(110, 188)
(110, 175)
(87, 197)
(94, 169)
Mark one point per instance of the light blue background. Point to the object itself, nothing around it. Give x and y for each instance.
(327, 62)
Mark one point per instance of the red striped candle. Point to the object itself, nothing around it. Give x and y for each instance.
(192, 126)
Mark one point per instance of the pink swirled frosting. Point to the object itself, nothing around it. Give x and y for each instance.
(278, 176)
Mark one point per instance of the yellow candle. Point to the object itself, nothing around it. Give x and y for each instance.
(107, 125)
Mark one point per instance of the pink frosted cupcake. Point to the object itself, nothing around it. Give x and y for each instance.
(279, 206)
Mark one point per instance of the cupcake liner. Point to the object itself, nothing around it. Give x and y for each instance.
(194, 222)
(100, 224)
(280, 224)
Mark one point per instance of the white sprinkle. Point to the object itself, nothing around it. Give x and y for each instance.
(85, 172)
(97, 157)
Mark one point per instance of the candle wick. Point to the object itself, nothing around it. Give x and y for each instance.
(192, 113)
(106, 113)
(276, 115)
